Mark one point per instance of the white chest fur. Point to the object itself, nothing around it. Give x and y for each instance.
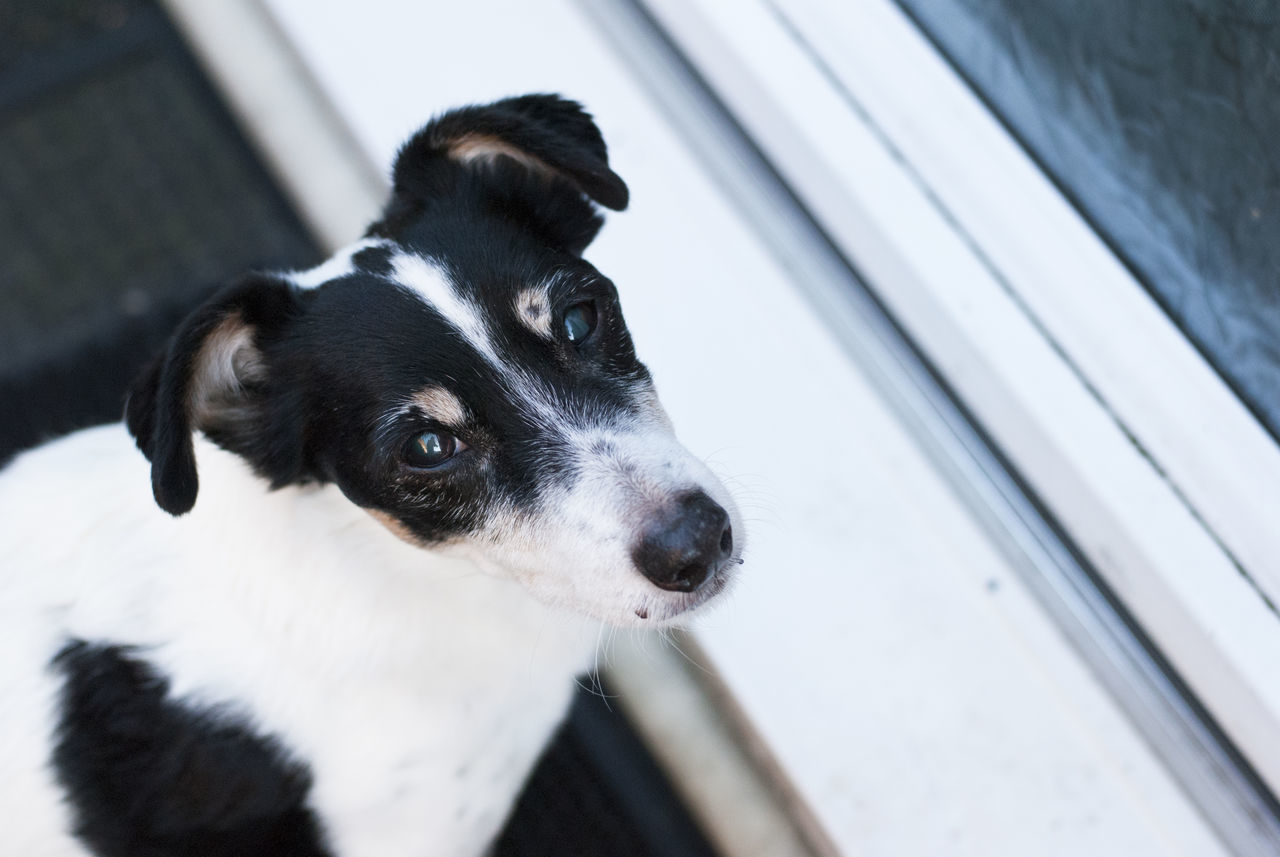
(418, 688)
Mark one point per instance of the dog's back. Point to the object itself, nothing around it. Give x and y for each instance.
(57, 501)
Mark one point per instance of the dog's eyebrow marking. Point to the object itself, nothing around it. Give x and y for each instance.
(340, 264)
(534, 310)
(432, 283)
(440, 405)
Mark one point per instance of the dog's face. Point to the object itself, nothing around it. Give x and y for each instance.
(464, 376)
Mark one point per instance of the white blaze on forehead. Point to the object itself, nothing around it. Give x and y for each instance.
(533, 308)
(340, 264)
(433, 284)
(440, 405)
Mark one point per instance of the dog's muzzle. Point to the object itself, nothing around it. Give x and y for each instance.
(684, 542)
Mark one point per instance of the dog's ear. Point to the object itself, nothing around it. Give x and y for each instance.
(541, 158)
(211, 377)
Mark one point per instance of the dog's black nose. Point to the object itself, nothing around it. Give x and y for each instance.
(684, 542)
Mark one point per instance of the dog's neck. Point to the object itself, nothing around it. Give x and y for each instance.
(322, 577)
(376, 629)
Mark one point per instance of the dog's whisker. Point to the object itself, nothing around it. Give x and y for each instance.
(675, 645)
(410, 461)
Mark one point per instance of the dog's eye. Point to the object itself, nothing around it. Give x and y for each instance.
(432, 448)
(579, 321)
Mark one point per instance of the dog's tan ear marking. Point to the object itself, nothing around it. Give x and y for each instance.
(203, 381)
(227, 362)
(484, 148)
(539, 158)
(545, 133)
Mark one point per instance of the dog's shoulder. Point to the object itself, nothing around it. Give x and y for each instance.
(143, 769)
(67, 493)
(81, 459)
(79, 509)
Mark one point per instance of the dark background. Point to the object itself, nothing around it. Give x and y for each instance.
(1160, 119)
(126, 194)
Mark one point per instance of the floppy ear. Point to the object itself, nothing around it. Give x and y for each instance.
(212, 377)
(542, 159)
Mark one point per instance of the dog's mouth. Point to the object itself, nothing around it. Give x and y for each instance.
(673, 607)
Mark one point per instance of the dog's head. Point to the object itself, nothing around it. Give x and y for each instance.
(464, 376)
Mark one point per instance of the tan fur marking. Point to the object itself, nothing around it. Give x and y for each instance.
(441, 405)
(534, 311)
(484, 148)
(396, 527)
(227, 358)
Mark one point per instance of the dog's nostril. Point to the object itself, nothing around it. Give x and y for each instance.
(690, 578)
(684, 542)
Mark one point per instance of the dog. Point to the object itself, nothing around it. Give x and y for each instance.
(404, 490)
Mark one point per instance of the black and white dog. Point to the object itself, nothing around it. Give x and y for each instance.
(428, 469)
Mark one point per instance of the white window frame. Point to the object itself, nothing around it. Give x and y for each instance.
(1161, 476)
(884, 213)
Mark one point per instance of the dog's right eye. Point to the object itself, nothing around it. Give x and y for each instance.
(579, 321)
(432, 449)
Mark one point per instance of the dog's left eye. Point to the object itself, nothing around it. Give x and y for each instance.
(579, 321)
(432, 449)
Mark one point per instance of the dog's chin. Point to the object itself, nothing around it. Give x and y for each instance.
(633, 602)
(661, 609)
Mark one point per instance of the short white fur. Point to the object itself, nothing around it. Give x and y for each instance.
(340, 264)
(432, 283)
(575, 551)
(390, 670)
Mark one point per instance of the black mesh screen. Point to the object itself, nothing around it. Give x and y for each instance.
(1159, 118)
(126, 193)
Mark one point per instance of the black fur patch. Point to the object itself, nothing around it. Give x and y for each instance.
(149, 777)
(555, 204)
(158, 412)
(373, 260)
(333, 366)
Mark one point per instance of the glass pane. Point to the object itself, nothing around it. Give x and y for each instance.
(1159, 118)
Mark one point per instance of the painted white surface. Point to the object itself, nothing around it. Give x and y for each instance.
(662, 690)
(1142, 365)
(1152, 548)
(914, 694)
